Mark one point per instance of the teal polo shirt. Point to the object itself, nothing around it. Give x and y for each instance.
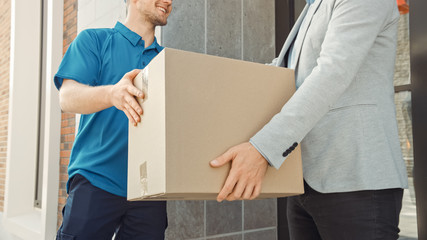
(101, 57)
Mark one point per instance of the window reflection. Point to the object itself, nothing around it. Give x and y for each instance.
(402, 67)
(408, 219)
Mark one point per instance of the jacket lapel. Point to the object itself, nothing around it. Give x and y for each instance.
(291, 37)
(303, 29)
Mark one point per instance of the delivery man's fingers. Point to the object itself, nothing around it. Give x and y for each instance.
(135, 91)
(134, 115)
(132, 74)
(129, 116)
(134, 104)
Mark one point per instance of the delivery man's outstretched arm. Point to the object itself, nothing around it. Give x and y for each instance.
(79, 98)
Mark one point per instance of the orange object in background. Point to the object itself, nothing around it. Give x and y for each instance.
(403, 6)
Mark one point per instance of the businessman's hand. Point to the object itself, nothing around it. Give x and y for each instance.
(123, 96)
(247, 171)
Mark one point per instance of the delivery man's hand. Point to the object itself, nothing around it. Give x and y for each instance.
(123, 96)
(247, 171)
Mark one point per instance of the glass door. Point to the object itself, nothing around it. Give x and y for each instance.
(403, 100)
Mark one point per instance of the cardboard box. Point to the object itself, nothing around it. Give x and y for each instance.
(196, 107)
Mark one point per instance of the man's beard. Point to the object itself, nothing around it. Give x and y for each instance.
(156, 20)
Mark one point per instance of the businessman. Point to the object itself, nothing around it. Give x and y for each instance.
(343, 117)
(95, 79)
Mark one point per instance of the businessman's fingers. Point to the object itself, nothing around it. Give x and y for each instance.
(228, 187)
(223, 159)
(238, 191)
(246, 174)
(256, 192)
(247, 195)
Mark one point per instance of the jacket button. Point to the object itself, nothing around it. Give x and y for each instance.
(285, 154)
(292, 148)
(295, 145)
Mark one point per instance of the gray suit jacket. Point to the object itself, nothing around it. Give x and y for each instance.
(343, 112)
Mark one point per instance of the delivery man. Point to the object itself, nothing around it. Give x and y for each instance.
(95, 79)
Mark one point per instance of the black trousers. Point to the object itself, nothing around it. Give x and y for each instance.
(361, 215)
(94, 214)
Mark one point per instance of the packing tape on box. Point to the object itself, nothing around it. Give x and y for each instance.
(143, 179)
(145, 82)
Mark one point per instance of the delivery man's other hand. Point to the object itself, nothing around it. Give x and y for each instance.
(247, 171)
(123, 96)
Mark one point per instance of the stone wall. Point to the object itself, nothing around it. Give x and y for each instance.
(236, 29)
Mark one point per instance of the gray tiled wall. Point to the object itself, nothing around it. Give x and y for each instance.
(224, 28)
(258, 31)
(225, 217)
(186, 26)
(260, 235)
(260, 214)
(186, 219)
(240, 29)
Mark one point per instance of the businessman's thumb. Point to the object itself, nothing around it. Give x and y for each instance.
(222, 160)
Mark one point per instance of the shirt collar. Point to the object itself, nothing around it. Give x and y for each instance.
(309, 2)
(134, 38)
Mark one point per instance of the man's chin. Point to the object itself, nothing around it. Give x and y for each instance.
(162, 23)
(159, 22)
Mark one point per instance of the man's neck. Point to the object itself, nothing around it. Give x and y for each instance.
(142, 28)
